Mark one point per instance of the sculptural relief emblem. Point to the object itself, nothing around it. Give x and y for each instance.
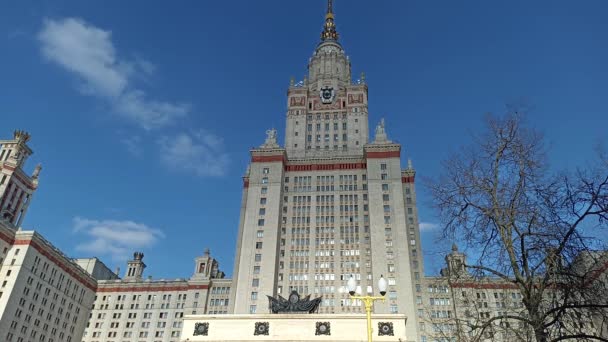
(201, 329)
(327, 94)
(293, 304)
(385, 329)
(261, 328)
(323, 328)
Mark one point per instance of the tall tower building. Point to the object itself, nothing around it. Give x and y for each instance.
(16, 187)
(330, 203)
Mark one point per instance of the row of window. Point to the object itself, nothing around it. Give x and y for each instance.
(326, 126)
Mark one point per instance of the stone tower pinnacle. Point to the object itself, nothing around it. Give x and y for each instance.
(329, 29)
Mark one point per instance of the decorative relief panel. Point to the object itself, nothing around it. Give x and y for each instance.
(323, 328)
(320, 106)
(385, 329)
(356, 98)
(297, 101)
(261, 328)
(201, 329)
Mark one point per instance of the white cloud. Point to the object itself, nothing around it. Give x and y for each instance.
(428, 226)
(201, 153)
(88, 52)
(114, 238)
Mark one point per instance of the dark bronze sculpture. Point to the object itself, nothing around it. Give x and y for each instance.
(293, 304)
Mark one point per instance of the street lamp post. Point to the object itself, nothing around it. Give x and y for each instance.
(368, 300)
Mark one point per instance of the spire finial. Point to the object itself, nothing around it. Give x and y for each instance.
(329, 29)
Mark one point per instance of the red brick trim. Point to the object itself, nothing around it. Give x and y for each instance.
(140, 288)
(7, 239)
(407, 179)
(325, 167)
(484, 286)
(597, 273)
(383, 154)
(267, 159)
(26, 182)
(57, 261)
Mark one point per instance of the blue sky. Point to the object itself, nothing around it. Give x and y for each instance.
(142, 112)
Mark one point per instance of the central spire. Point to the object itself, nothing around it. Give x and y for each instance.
(329, 29)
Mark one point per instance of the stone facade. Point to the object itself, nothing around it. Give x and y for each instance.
(136, 308)
(44, 295)
(330, 203)
(456, 301)
(16, 187)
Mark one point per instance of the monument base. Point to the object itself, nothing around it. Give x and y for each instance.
(290, 327)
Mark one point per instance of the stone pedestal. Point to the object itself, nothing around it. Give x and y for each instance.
(293, 327)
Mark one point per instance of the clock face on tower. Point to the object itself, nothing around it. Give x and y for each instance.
(327, 94)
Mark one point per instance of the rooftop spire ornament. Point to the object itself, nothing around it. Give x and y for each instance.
(329, 29)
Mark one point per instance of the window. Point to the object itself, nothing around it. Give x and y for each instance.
(382, 176)
(258, 245)
(263, 200)
(258, 257)
(255, 282)
(254, 295)
(265, 170)
(261, 222)
(252, 309)
(260, 234)
(256, 269)
(264, 190)
(382, 166)
(262, 211)
(265, 180)
(386, 198)
(384, 187)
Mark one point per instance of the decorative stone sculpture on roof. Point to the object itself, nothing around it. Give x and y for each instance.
(294, 304)
(381, 137)
(271, 139)
(36, 173)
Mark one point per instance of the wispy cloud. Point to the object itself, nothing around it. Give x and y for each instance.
(116, 239)
(428, 226)
(134, 145)
(201, 153)
(88, 52)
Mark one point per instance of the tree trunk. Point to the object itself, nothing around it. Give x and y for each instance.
(540, 333)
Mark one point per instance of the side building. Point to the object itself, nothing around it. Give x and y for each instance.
(44, 295)
(459, 306)
(140, 309)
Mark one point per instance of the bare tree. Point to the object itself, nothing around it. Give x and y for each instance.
(532, 227)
